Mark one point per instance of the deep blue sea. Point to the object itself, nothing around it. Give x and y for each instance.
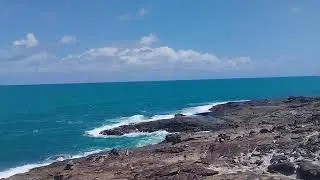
(40, 124)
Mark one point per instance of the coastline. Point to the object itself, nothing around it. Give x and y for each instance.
(237, 140)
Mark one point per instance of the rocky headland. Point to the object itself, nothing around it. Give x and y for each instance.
(261, 139)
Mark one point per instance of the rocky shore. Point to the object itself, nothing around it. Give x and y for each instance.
(262, 139)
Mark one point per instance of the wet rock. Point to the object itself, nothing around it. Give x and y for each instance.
(308, 171)
(170, 149)
(173, 138)
(286, 168)
(112, 132)
(114, 152)
(179, 115)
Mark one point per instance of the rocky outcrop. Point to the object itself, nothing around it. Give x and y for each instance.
(264, 139)
(308, 171)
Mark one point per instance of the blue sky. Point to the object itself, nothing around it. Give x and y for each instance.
(121, 40)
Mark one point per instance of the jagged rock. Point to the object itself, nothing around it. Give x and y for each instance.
(171, 149)
(286, 168)
(308, 171)
(265, 131)
(115, 152)
(173, 138)
(223, 137)
(69, 166)
(258, 162)
(251, 133)
(279, 159)
(112, 132)
(281, 164)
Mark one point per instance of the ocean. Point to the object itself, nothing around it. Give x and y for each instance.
(40, 124)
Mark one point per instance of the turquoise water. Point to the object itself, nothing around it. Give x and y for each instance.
(43, 123)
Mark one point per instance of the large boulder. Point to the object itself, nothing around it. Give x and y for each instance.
(281, 164)
(286, 168)
(308, 171)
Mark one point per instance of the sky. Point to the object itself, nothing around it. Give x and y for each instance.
(129, 40)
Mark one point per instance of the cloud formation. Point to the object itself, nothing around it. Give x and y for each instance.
(148, 40)
(29, 41)
(67, 39)
(142, 57)
(133, 15)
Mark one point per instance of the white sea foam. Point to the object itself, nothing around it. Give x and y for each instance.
(141, 118)
(25, 168)
(125, 121)
(199, 109)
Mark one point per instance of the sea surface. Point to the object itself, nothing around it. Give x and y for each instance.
(40, 124)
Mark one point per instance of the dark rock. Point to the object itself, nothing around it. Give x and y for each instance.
(258, 162)
(301, 130)
(179, 115)
(266, 122)
(313, 144)
(112, 132)
(279, 159)
(277, 137)
(308, 171)
(251, 133)
(58, 177)
(298, 99)
(315, 119)
(265, 130)
(223, 137)
(279, 128)
(286, 168)
(69, 166)
(281, 164)
(171, 149)
(114, 152)
(173, 138)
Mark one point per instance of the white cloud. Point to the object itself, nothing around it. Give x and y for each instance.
(67, 39)
(133, 15)
(29, 42)
(148, 40)
(127, 59)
